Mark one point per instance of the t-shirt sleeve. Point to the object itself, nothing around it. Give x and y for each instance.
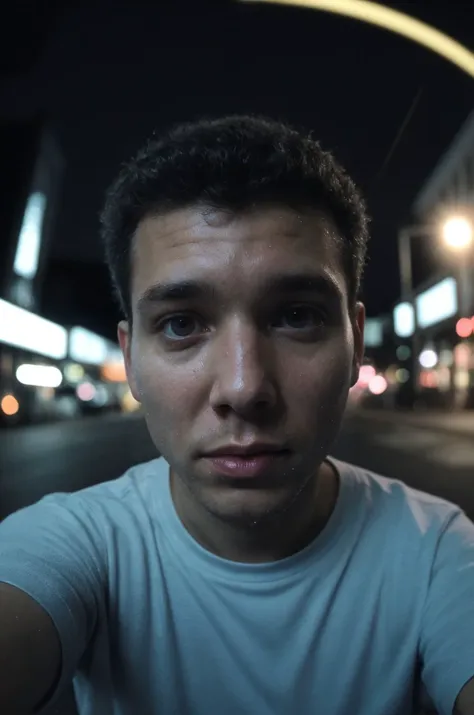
(53, 552)
(447, 628)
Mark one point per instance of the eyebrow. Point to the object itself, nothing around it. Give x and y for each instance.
(188, 290)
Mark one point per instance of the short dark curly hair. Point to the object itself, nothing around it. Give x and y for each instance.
(232, 163)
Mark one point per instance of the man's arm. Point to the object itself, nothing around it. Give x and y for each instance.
(52, 580)
(447, 624)
(30, 652)
(465, 701)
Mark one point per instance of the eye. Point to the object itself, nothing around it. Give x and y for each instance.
(300, 317)
(179, 327)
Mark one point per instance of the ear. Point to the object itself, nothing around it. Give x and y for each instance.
(358, 325)
(124, 334)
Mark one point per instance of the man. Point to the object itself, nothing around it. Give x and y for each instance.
(244, 571)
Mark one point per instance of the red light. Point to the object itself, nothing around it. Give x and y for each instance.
(465, 327)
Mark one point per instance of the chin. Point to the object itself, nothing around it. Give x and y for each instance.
(249, 506)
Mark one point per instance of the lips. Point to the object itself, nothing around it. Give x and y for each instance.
(246, 465)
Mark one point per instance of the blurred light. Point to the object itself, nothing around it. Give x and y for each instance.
(22, 329)
(101, 396)
(73, 372)
(437, 303)
(404, 320)
(396, 22)
(129, 403)
(87, 347)
(46, 393)
(9, 405)
(462, 355)
(114, 372)
(457, 233)
(390, 374)
(429, 379)
(402, 375)
(39, 375)
(366, 373)
(461, 380)
(446, 357)
(373, 332)
(86, 391)
(403, 352)
(378, 385)
(444, 378)
(428, 358)
(29, 242)
(464, 327)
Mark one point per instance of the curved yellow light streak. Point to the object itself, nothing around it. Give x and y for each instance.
(395, 21)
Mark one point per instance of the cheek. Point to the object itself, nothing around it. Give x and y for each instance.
(322, 383)
(165, 392)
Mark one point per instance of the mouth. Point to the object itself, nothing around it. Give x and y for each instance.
(246, 464)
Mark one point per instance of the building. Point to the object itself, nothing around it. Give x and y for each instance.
(436, 324)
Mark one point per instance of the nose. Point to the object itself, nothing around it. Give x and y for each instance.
(243, 378)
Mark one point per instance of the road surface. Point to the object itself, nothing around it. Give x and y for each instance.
(72, 455)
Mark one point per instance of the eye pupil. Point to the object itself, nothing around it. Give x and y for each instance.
(181, 326)
(296, 317)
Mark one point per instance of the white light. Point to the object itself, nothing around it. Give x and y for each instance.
(39, 375)
(378, 385)
(22, 329)
(457, 232)
(87, 347)
(428, 359)
(404, 320)
(437, 303)
(373, 332)
(29, 241)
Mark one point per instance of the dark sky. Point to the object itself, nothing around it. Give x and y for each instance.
(108, 74)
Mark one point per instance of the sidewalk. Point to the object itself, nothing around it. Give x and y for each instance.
(461, 423)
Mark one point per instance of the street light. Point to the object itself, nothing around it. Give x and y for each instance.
(457, 233)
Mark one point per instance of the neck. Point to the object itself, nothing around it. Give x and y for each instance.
(270, 539)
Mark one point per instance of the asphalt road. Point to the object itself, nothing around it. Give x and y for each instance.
(72, 455)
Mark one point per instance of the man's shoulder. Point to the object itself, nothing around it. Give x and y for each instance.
(396, 501)
(137, 488)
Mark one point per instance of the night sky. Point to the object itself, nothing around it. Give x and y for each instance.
(107, 75)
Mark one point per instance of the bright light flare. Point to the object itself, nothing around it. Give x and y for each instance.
(428, 359)
(378, 385)
(457, 233)
(394, 21)
(39, 375)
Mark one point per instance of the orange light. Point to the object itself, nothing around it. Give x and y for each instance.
(114, 372)
(9, 405)
(464, 327)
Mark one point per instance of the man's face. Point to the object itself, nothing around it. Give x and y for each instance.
(242, 334)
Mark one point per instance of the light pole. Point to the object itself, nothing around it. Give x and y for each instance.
(457, 235)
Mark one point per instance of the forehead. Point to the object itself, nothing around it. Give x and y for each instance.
(234, 252)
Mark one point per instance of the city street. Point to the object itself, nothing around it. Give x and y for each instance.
(72, 455)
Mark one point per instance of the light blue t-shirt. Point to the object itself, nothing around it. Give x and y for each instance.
(153, 624)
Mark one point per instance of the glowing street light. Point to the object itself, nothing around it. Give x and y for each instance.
(457, 233)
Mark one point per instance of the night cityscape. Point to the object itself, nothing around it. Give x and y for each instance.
(83, 86)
